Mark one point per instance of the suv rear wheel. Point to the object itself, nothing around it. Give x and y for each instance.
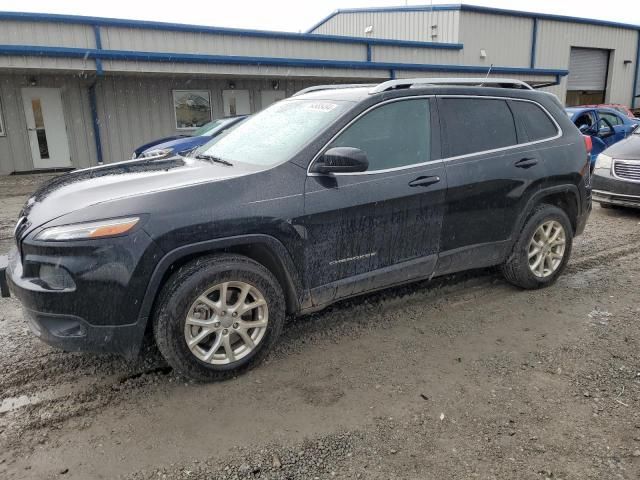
(542, 250)
(218, 316)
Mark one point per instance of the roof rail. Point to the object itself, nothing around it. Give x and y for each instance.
(481, 82)
(317, 88)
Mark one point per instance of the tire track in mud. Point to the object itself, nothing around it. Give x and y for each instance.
(113, 381)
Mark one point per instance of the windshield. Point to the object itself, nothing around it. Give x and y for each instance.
(210, 127)
(275, 134)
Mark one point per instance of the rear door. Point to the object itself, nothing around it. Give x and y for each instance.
(620, 129)
(493, 166)
(363, 226)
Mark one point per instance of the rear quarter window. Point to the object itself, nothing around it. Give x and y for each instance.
(476, 125)
(536, 123)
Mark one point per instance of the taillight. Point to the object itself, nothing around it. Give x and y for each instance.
(588, 143)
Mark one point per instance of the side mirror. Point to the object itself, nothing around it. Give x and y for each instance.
(341, 160)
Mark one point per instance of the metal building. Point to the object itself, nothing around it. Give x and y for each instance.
(77, 91)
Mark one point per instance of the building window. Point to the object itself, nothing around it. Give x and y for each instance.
(2, 131)
(192, 108)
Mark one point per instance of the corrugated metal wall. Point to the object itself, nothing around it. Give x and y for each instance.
(177, 68)
(414, 25)
(506, 40)
(15, 153)
(46, 34)
(555, 40)
(116, 38)
(136, 110)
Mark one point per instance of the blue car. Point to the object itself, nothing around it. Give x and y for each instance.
(605, 126)
(183, 144)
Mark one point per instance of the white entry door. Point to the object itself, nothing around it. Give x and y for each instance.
(46, 127)
(236, 102)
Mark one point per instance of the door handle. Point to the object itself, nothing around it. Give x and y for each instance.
(424, 181)
(526, 163)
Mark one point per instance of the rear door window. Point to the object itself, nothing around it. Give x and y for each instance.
(536, 123)
(475, 125)
(612, 117)
(393, 135)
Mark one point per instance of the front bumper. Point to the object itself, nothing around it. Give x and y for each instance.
(97, 305)
(74, 334)
(613, 198)
(607, 188)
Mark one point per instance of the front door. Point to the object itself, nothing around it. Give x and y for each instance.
(374, 229)
(46, 127)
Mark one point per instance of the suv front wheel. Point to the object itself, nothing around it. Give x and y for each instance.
(542, 250)
(218, 316)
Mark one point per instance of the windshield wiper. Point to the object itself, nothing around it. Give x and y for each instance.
(211, 158)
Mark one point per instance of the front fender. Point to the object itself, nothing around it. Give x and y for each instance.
(288, 275)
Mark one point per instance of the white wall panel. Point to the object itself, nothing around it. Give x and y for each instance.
(396, 25)
(46, 34)
(117, 38)
(506, 40)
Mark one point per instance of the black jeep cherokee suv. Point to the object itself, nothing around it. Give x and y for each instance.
(329, 194)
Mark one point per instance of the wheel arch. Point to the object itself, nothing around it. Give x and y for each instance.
(565, 197)
(264, 249)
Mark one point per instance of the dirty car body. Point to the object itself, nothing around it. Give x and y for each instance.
(456, 201)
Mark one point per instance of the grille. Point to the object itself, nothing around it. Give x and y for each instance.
(627, 169)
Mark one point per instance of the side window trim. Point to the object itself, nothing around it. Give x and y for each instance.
(445, 151)
(434, 134)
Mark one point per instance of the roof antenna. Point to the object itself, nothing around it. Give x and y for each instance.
(488, 72)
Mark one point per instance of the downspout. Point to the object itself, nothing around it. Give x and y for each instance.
(635, 78)
(93, 100)
(534, 41)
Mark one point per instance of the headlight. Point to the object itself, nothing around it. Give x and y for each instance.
(156, 153)
(603, 161)
(90, 230)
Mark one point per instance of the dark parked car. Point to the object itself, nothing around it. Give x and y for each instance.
(605, 126)
(332, 193)
(616, 178)
(183, 144)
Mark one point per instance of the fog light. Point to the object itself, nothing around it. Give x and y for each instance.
(56, 278)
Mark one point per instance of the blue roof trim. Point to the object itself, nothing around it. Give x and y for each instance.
(479, 9)
(67, 52)
(179, 27)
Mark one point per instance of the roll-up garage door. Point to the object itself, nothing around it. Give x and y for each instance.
(588, 69)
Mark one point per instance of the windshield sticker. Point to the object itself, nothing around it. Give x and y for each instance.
(321, 107)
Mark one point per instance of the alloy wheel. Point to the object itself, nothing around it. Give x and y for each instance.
(226, 322)
(546, 249)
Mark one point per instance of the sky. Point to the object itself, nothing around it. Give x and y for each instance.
(297, 15)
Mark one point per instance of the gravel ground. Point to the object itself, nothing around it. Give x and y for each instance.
(463, 377)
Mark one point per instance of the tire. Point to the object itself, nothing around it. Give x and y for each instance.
(182, 295)
(517, 269)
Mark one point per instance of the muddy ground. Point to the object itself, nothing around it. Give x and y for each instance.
(465, 377)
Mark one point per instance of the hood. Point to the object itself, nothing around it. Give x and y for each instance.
(82, 188)
(627, 149)
(147, 146)
(181, 144)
